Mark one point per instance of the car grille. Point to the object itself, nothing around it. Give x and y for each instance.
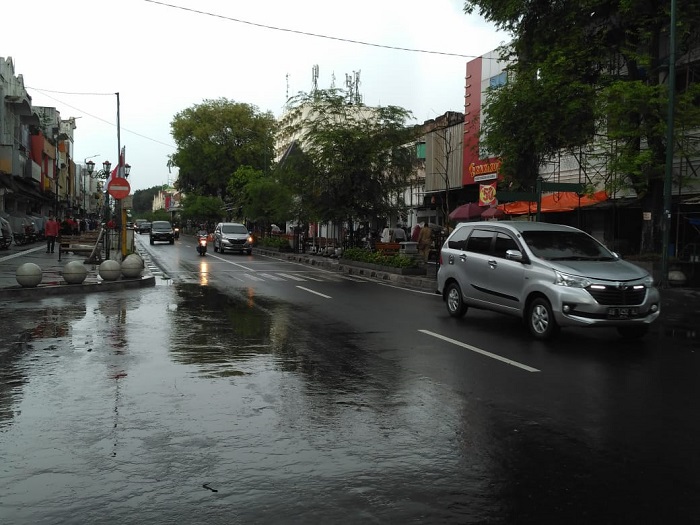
(237, 242)
(618, 296)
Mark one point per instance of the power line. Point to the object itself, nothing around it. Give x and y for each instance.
(371, 44)
(46, 91)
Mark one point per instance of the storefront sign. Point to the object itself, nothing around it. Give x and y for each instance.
(492, 167)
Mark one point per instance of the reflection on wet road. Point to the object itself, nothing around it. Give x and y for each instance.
(181, 405)
(178, 404)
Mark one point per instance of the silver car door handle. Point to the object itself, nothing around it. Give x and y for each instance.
(493, 263)
(462, 257)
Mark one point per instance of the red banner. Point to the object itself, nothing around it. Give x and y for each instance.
(487, 194)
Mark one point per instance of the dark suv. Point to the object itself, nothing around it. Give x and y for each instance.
(162, 231)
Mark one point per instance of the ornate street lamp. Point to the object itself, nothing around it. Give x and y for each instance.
(102, 174)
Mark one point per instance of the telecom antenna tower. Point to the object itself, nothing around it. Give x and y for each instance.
(314, 78)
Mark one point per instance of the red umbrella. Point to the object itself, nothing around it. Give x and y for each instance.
(467, 212)
(493, 213)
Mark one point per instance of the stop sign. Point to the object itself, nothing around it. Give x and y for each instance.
(118, 188)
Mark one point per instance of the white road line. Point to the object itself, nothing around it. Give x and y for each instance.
(292, 277)
(253, 277)
(480, 351)
(317, 293)
(233, 263)
(272, 277)
(20, 254)
(315, 279)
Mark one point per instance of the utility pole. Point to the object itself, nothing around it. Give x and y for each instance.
(666, 226)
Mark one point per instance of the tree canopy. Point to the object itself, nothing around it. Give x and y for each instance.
(591, 74)
(214, 139)
(356, 159)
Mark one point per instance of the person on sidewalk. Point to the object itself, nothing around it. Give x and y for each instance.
(425, 239)
(51, 232)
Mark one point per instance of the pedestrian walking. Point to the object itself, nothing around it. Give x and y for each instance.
(399, 234)
(415, 232)
(51, 232)
(425, 239)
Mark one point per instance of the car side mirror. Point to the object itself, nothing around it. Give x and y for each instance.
(514, 255)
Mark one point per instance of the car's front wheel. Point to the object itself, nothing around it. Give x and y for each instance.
(540, 319)
(216, 248)
(151, 241)
(454, 301)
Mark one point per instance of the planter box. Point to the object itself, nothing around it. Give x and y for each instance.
(387, 269)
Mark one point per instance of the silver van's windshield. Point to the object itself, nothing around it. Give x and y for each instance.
(233, 228)
(565, 245)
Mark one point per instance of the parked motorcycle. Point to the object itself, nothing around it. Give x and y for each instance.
(202, 244)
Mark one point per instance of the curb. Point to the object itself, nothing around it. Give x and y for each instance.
(47, 290)
(418, 282)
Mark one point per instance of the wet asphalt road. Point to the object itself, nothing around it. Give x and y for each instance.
(183, 404)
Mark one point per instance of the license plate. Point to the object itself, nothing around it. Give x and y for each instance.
(622, 313)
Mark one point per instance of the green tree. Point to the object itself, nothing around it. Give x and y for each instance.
(589, 74)
(361, 156)
(214, 139)
(258, 197)
(143, 201)
(297, 173)
(202, 208)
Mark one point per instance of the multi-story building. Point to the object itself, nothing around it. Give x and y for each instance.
(617, 220)
(37, 172)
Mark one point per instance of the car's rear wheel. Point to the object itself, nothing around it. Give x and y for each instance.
(540, 319)
(454, 301)
(633, 332)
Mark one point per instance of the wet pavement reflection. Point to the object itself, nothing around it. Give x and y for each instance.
(178, 404)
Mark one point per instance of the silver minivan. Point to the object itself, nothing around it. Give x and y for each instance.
(550, 275)
(232, 236)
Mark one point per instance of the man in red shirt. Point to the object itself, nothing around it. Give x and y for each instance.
(51, 232)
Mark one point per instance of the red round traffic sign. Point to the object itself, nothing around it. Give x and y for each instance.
(118, 188)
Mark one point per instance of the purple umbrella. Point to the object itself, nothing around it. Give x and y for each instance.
(493, 213)
(467, 212)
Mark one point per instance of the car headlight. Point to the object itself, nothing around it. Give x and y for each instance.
(572, 281)
(648, 281)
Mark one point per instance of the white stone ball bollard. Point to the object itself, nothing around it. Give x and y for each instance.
(110, 270)
(132, 266)
(28, 275)
(74, 272)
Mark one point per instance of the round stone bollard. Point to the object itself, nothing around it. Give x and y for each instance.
(132, 266)
(110, 270)
(74, 272)
(676, 278)
(28, 275)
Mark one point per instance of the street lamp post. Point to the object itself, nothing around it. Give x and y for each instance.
(102, 175)
(122, 215)
(85, 199)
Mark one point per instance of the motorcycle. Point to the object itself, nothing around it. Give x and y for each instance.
(176, 232)
(202, 244)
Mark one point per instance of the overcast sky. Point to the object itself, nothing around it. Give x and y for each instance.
(76, 54)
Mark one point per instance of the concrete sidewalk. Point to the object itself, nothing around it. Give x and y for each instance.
(52, 282)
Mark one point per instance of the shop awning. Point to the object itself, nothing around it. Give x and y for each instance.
(554, 202)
